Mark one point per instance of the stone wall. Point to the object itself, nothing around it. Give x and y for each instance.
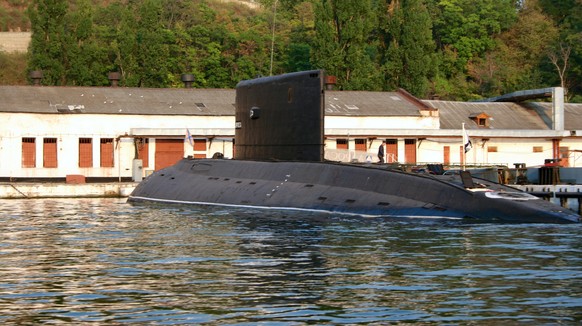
(14, 41)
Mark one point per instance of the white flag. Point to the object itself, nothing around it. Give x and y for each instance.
(189, 137)
(466, 140)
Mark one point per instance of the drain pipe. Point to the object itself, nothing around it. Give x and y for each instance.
(557, 118)
(558, 108)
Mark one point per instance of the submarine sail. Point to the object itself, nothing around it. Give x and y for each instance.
(279, 164)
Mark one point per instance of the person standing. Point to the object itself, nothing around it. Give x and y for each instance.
(381, 152)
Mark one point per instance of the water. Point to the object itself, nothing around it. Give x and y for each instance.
(104, 261)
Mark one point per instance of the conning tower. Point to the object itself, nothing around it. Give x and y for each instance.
(280, 117)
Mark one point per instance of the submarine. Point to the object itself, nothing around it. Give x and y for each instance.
(279, 164)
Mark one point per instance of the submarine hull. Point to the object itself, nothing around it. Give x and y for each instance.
(279, 150)
(361, 190)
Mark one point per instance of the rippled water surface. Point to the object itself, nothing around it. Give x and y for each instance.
(105, 261)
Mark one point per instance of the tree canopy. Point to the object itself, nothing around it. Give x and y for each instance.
(453, 49)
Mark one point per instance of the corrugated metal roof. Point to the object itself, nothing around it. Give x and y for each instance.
(502, 115)
(362, 103)
(220, 102)
(180, 101)
(117, 100)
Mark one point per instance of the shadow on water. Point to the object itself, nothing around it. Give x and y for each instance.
(105, 261)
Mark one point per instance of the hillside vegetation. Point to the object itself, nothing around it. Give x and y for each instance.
(453, 49)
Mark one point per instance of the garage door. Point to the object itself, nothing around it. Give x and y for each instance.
(168, 152)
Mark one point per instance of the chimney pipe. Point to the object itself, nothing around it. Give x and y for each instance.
(330, 82)
(114, 78)
(558, 108)
(187, 79)
(36, 76)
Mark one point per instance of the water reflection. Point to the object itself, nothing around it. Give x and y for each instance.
(279, 262)
(102, 260)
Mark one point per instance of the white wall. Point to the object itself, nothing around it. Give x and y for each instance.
(431, 150)
(386, 122)
(68, 128)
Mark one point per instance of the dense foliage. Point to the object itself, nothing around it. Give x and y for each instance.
(453, 49)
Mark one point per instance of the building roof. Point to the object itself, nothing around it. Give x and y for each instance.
(572, 113)
(185, 101)
(220, 102)
(505, 115)
(117, 100)
(501, 115)
(363, 103)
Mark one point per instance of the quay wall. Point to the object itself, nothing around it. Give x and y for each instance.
(64, 190)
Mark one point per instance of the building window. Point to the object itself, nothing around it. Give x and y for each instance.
(49, 156)
(361, 145)
(106, 152)
(85, 152)
(200, 146)
(492, 149)
(341, 143)
(538, 149)
(28, 152)
(481, 119)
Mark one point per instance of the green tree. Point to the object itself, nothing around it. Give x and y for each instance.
(514, 63)
(151, 48)
(301, 37)
(47, 44)
(476, 49)
(406, 31)
(564, 65)
(465, 28)
(343, 46)
(113, 29)
(85, 60)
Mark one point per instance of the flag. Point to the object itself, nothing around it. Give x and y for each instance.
(189, 137)
(466, 140)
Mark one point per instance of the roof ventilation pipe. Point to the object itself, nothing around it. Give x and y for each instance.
(114, 78)
(187, 79)
(558, 108)
(36, 76)
(330, 82)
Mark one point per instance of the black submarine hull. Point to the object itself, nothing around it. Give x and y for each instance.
(371, 190)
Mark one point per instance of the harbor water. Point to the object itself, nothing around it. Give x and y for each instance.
(104, 261)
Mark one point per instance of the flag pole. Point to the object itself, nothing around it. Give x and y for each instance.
(467, 145)
(464, 147)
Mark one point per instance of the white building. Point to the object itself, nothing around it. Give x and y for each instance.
(99, 132)
(51, 132)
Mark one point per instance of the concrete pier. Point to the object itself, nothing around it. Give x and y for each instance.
(18, 190)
